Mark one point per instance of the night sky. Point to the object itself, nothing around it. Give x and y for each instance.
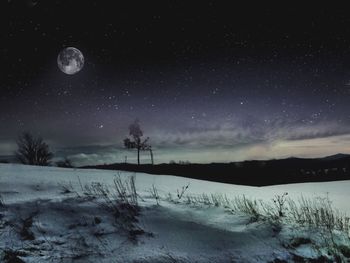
(207, 81)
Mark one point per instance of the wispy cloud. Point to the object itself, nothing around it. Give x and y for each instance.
(256, 139)
(238, 135)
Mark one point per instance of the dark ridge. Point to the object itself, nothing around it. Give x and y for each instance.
(254, 173)
(7, 159)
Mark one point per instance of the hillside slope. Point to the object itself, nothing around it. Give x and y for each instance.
(48, 216)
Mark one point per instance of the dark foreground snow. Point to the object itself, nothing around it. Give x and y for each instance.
(41, 222)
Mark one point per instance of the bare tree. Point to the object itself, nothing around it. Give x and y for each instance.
(136, 142)
(151, 153)
(33, 151)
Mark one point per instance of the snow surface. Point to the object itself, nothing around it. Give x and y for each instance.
(65, 229)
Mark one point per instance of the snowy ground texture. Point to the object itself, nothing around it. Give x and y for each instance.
(50, 214)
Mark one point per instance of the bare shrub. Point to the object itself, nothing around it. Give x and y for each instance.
(154, 194)
(181, 192)
(277, 209)
(247, 206)
(198, 200)
(318, 212)
(33, 151)
(306, 212)
(220, 200)
(205, 199)
(66, 188)
(279, 201)
(126, 190)
(121, 201)
(210, 200)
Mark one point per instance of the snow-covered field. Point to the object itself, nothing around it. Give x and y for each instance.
(40, 222)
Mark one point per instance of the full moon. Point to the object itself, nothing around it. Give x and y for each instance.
(70, 60)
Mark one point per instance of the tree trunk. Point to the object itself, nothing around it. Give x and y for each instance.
(151, 153)
(138, 155)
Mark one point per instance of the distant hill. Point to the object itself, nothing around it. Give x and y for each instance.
(7, 159)
(255, 173)
(336, 156)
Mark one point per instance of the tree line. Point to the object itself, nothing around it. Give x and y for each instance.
(34, 150)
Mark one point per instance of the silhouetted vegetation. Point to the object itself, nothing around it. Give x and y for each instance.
(256, 173)
(66, 163)
(136, 142)
(32, 150)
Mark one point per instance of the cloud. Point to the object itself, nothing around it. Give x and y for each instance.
(83, 159)
(235, 141)
(244, 134)
(7, 148)
(239, 139)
